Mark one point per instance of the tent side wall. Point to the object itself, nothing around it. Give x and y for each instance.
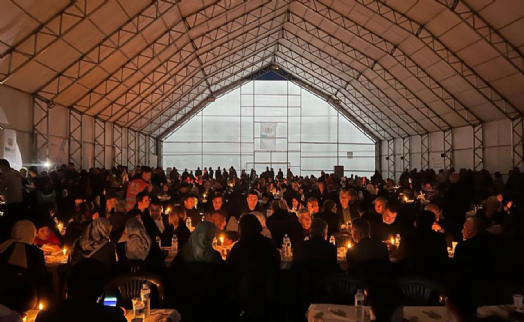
(41, 132)
(486, 147)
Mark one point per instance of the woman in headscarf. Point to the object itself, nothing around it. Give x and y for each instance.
(19, 254)
(253, 261)
(199, 247)
(136, 243)
(265, 232)
(94, 243)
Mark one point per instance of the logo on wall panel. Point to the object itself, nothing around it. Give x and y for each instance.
(268, 139)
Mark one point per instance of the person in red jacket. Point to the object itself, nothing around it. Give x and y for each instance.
(44, 235)
(138, 185)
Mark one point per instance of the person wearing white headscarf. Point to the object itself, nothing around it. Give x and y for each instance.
(20, 255)
(94, 243)
(265, 232)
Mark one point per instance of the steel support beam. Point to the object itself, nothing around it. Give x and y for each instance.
(117, 146)
(478, 147)
(142, 149)
(378, 156)
(152, 149)
(76, 139)
(406, 153)
(131, 149)
(517, 133)
(448, 149)
(159, 152)
(41, 123)
(391, 159)
(100, 144)
(38, 42)
(424, 151)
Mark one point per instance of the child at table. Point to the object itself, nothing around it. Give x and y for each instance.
(45, 236)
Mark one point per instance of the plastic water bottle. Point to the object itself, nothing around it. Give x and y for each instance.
(332, 240)
(359, 306)
(159, 241)
(174, 244)
(287, 246)
(145, 294)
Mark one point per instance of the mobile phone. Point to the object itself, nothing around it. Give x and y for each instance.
(110, 301)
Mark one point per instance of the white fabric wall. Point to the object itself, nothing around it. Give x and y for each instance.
(16, 113)
(497, 149)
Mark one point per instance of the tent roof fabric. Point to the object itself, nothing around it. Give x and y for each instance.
(395, 68)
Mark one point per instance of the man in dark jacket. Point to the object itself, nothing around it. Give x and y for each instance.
(316, 253)
(283, 222)
(368, 256)
(424, 250)
(329, 215)
(393, 222)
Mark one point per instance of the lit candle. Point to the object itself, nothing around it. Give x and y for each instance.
(405, 198)
(349, 245)
(64, 251)
(60, 226)
(40, 306)
(392, 241)
(221, 240)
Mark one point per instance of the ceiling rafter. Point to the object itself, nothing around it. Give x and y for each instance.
(38, 42)
(99, 53)
(231, 46)
(127, 104)
(313, 71)
(393, 51)
(493, 37)
(432, 42)
(382, 73)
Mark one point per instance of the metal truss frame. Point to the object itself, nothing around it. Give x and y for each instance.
(117, 145)
(159, 152)
(306, 69)
(41, 125)
(378, 156)
(164, 92)
(406, 153)
(151, 148)
(517, 134)
(99, 132)
(103, 50)
(424, 151)
(478, 147)
(142, 149)
(42, 38)
(448, 149)
(131, 149)
(482, 28)
(76, 139)
(433, 43)
(346, 69)
(393, 51)
(391, 159)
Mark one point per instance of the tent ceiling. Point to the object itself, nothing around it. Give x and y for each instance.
(398, 68)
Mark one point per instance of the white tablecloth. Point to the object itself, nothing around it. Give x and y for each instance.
(167, 316)
(344, 313)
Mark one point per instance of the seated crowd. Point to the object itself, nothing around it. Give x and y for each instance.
(111, 222)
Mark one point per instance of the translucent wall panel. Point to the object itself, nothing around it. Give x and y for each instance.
(310, 134)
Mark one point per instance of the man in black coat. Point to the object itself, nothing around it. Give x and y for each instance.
(393, 222)
(283, 222)
(455, 204)
(368, 257)
(329, 215)
(475, 252)
(423, 250)
(316, 253)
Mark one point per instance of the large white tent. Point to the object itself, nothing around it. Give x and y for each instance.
(435, 83)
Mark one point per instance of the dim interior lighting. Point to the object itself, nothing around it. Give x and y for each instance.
(275, 67)
(210, 99)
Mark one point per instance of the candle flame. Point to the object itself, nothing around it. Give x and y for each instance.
(64, 251)
(349, 245)
(40, 306)
(392, 241)
(222, 239)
